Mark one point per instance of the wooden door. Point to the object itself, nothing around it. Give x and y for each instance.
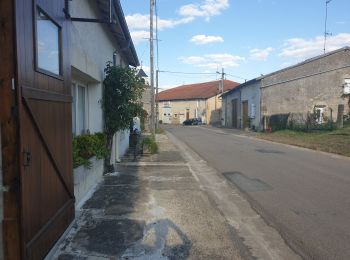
(44, 103)
(234, 113)
(245, 114)
(187, 114)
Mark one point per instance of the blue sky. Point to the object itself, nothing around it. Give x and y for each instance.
(245, 37)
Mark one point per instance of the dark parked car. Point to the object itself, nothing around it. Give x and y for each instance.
(193, 121)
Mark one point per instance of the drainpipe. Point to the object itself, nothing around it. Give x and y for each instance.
(240, 108)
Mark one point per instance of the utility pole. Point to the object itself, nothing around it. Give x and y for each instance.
(325, 26)
(152, 67)
(222, 80)
(157, 103)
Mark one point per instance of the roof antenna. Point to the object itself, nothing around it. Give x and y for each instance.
(325, 27)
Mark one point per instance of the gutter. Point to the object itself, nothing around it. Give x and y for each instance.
(126, 32)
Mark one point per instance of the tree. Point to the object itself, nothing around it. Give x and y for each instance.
(120, 102)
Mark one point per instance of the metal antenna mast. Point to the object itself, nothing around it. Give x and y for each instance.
(325, 26)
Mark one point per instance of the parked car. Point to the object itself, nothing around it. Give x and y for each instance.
(193, 121)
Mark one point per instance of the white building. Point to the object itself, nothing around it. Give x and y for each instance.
(92, 46)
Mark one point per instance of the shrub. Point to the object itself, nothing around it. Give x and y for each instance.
(151, 144)
(278, 122)
(87, 146)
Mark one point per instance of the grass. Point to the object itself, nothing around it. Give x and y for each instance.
(160, 131)
(337, 141)
(151, 144)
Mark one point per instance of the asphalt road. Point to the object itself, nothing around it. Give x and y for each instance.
(304, 194)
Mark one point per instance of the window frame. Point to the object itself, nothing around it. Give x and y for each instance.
(59, 76)
(75, 90)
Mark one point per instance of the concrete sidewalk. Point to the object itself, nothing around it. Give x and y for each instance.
(153, 211)
(169, 206)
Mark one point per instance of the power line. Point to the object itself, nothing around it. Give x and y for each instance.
(235, 76)
(193, 73)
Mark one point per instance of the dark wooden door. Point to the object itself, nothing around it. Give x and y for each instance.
(44, 101)
(234, 113)
(245, 114)
(187, 114)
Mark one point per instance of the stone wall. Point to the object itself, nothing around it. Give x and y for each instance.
(315, 82)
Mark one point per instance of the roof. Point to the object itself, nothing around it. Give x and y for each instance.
(346, 48)
(142, 73)
(247, 83)
(195, 91)
(120, 30)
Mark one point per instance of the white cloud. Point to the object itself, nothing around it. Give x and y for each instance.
(139, 25)
(139, 36)
(260, 54)
(205, 39)
(142, 22)
(206, 9)
(214, 61)
(192, 60)
(302, 48)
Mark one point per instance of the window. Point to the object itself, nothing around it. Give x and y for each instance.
(166, 104)
(319, 112)
(347, 86)
(47, 44)
(79, 114)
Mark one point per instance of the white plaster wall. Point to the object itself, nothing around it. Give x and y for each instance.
(120, 146)
(123, 142)
(85, 179)
(92, 46)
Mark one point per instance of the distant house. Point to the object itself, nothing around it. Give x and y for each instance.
(146, 98)
(319, 85)
(241, 105)
(201, 100)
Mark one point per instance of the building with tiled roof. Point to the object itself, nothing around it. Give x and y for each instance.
(199, 100)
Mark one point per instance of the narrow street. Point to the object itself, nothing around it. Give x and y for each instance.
(170, 205)
(302, 193)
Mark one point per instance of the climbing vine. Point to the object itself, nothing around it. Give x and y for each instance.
(120, 102)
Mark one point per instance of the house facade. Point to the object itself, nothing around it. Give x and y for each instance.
(51, 86)
(200, 100)
(92, 46)
(241, 106)
(318, 86)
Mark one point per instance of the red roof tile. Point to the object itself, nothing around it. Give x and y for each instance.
(196, 91)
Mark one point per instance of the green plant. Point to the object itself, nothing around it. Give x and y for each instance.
(120, 102)
(151, 144)
(87, 146)
(160, 131)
